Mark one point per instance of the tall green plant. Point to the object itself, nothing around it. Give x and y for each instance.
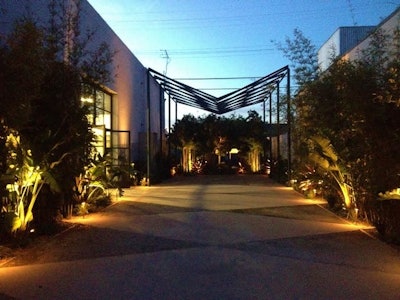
(29, 181)
(302, 54)
(323, 155)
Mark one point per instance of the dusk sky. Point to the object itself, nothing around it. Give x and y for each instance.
(228, 38)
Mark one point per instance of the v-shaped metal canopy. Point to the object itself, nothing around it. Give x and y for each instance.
(253, 93)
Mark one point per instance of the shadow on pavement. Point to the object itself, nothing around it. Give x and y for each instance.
(311, 212)
(88, 242)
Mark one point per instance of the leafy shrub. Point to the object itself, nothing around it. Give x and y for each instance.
(102, 201)
(9, 223)
(384, 215)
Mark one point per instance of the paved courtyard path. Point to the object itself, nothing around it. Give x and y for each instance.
(210, 237)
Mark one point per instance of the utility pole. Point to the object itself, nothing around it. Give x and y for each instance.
(164, 54)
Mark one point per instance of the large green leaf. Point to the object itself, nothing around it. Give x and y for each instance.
(319, 161)
(325, 147)
(51, 181)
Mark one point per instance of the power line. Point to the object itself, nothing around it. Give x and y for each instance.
(206, 51)
(232, 20)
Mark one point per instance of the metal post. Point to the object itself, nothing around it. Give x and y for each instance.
(148, 125)
(264, 111)
(169, 113)
(271, 128)
(176, 111)
(176, 120)
(277, 123)
(161, 119)
(169, 126)
(264, 135)
(289, 124)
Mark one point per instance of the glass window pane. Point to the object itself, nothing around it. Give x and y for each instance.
(99, 117)
(108, 139)
(98, 142)
(107, 120)
(107, 102)
(100, 99)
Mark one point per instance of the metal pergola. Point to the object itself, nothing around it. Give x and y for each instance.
(259, 91)
(251, 94)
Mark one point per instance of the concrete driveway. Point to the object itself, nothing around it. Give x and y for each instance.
(212, 237)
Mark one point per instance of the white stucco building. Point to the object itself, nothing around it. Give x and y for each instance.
(341, 41)
(388, 25)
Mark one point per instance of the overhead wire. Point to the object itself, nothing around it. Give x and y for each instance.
(195, 18)
(218, 18)
(230, 19)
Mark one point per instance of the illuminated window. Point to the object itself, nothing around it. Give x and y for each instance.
(99, 106)
(103, 109)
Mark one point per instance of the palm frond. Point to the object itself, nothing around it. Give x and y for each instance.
(325, 147)
(48, 178)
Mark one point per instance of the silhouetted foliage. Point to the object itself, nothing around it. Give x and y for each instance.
(42, 70)
(302, 54)
(213, 134)
(355, 106)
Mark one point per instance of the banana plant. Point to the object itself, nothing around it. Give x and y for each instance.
(27, 191)
(29, 181)
(323, 155)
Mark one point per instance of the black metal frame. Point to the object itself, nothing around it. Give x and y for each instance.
(253, 93)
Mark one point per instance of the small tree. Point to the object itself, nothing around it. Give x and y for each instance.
(183, 136)
(302, 54)
(213, 137)
(254, 138)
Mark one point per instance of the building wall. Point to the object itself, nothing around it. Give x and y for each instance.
(129, 76)
(342, 40)
(388, 25)
(328, 50)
